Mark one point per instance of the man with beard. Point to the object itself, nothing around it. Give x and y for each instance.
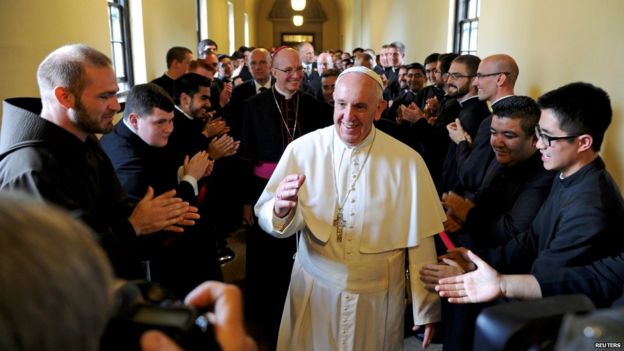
(271, 121)
(461, 76)
(49, 150)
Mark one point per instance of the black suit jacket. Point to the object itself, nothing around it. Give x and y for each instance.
(234, 114)
(166, 83)
(263, 138)
(473, 112)
(139, 165)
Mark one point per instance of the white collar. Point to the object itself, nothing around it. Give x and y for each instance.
(266, 85)
(285, 95)
(184, 113)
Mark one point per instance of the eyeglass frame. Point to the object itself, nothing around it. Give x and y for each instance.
(290, 70)
(547, 139)
(456, 76)
(481, 76)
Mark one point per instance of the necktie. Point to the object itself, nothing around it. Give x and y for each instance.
(261, 89)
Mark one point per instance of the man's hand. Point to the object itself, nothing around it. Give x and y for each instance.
(430, 274)
(459, 206)
(429, 333)
(227, 320)
(452, 224)
(460, 256)
(215, 127)
(432, 106)
(197, 166)
(186, 220)
(481, 285)
(248, 215)
(411, 113)
(223, 146)
(226, 94)
(456, 132)
(286, 194)
(153, 214)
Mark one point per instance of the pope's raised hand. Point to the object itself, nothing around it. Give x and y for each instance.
(286, 194)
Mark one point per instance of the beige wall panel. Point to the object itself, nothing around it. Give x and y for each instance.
(560, 41)
(421, 25)
(218, 24)
(31, 29)
(166, 24)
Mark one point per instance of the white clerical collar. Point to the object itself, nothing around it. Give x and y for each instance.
(129, 126)
(285, 95)
(266, 85)
(184, 113)
(461, 102)
(339, 145)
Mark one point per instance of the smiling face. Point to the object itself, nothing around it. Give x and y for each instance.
(154, 129)
(510, 142)
(96, 105)
(357, 104)
(561, 155)
(460, 86)
(289, 81)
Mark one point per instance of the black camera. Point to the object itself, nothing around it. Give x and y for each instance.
(142, 306)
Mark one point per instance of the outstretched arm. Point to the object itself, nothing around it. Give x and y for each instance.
(486, 284)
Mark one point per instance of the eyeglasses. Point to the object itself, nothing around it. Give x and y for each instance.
(456, 76)
(547, 139)
(289, 71)
(481, 75)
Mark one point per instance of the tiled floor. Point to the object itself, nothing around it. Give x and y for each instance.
(234, 272)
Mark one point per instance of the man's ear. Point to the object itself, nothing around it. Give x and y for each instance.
(133, 120)
(64, 97)
(586, 141)
(184, 99)
(380, 109)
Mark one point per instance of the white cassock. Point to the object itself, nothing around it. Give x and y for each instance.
(349, 294)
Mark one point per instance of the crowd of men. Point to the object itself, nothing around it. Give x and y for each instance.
(343, 167)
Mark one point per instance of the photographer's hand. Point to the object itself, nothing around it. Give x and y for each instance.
(228, 319)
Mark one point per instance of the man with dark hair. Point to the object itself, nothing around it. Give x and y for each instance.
(178, 60)
(505, 207)
(206, 46)
(435, 89)
(395, 56)
(137, 149)
(328, 84)
(508, 202)
(461, 76)
(415, 81)
(49, 150)
(574, 245)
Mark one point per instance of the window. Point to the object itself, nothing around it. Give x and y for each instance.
(246, 29)
(466, 26)
(120, 42)
(231, 36)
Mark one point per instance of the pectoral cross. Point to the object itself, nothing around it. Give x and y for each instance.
(339, 223)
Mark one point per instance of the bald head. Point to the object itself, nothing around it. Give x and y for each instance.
(259, 62)
(287, 70)
(497, 75)
(504, 63)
